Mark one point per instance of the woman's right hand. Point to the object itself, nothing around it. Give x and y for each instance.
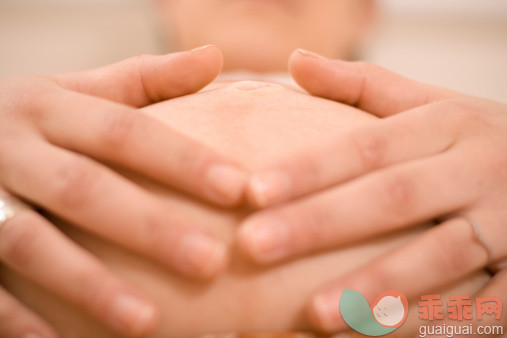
(55, 133)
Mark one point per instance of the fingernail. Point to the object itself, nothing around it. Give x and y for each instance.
(269, 188)
(200, 48)
(307, 53)
(266, 239)
(327, 309)
(132, 314)
(202, 256)
(226, 183)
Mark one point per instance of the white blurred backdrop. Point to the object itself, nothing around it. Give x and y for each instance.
(459, 44)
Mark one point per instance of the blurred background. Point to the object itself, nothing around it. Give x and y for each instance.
(459, 44)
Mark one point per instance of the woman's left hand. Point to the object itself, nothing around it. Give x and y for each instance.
(444, 158)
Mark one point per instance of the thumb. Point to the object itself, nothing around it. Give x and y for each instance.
(366, 86)
(147, 79)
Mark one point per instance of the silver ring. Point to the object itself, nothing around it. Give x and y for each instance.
(478, 237)
(10, 206)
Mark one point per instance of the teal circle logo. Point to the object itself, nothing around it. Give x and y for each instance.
(387, 313)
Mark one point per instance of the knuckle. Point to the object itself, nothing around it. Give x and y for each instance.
(139, 64)
(139, 61)
(398, 194)
(472, 118)
(22, 96)
(19, 241)
(367, 67)
(119, 129)
(10, 141)
(77, 182)
(371, 149)
(468, 112)
(369, 72)
(314, 227)
(307, 171)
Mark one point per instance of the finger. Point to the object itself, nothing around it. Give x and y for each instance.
(33, 247)
(146, 79)
(18, 321)
(415, 134)
(101, 201)
(495, 288)
(381, 202)
(439, 257)
(481, 323)
(366, 86)
(114, 133)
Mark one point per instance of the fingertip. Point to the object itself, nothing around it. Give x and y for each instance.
(297, 61)
(254, 195)
(226, 184)
(201, 256)
(183, 73)
(152, 319)
(308, 68)
(43, 331)
(212, 54)
(293, 58)
(264, 239)
(314, 315)
(133, 316)
(218, 262)
(152, 323)
(201, 48)
(50, 332)
(209, 49)
(268, 188)
(304, 54)
(309, 55)
(38, 328)
(322, 312)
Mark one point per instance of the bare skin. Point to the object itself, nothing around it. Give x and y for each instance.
(259, 35)
(68, 127)
(435, 154)
(253, 123)
(55, 134)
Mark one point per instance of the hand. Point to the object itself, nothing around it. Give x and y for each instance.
(54, 132)
(494, 288)
(444, 154)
